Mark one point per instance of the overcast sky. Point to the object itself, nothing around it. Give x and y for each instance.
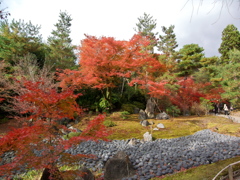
(195, 22)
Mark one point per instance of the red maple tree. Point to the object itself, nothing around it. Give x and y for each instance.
(187, 93)
(104, 62)
(39, 142)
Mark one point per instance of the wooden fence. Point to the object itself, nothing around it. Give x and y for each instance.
(231, 174)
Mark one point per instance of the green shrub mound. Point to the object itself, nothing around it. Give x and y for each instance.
(130, 107)
(109, 123)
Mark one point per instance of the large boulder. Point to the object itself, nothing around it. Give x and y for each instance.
(162, 115)
(145, 123)
(118, 167)
(142, 115)
(150, 108)
(150, 115)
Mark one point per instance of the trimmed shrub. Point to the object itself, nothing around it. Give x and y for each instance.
(109, 123)
(128, 107)
(139, 105)
(173, 111)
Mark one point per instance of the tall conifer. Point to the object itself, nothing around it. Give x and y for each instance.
(145, 27)
(61, 49)
(230, 40)
(167, 44)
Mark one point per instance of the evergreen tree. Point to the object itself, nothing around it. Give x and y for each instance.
(18, 38)
(230, 75)
(168, 42)
(61, 50)
(145, 27)
(167, 46)
(190, 54)
(207, 61)
(230, 40)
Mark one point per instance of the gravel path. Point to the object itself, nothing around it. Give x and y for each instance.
(164, 156)
(235, 119)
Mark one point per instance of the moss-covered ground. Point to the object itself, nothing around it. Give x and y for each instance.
(129, 127)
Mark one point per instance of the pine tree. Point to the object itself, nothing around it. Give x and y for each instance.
(191, 54)
(230, 75)
(61, 50)
(167, 46)
(145, 27)
(18, 38)
(230, 40)
(167, 43)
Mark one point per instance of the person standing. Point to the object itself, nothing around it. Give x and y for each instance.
(225, 108)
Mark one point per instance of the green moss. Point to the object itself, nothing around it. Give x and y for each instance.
(177, 127)
(204, 172)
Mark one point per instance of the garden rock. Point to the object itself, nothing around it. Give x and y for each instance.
(150, 108)
(162, 115)
(160, 126)
(136, 110)
(118, 167)
(142, 115)
(150, 115)
(145, 123)
(86, 174)
(132, 141)
(51, 174)
(147, 137)
(74, 129)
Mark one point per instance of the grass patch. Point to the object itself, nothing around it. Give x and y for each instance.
(203, 172)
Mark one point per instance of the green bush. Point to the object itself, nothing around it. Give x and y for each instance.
(139, 105)
(109, 123)
(173, 111)
(124, 117)
(128, 107)
(71, 134)
(125, 113)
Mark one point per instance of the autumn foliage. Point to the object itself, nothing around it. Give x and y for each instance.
(41, 132)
